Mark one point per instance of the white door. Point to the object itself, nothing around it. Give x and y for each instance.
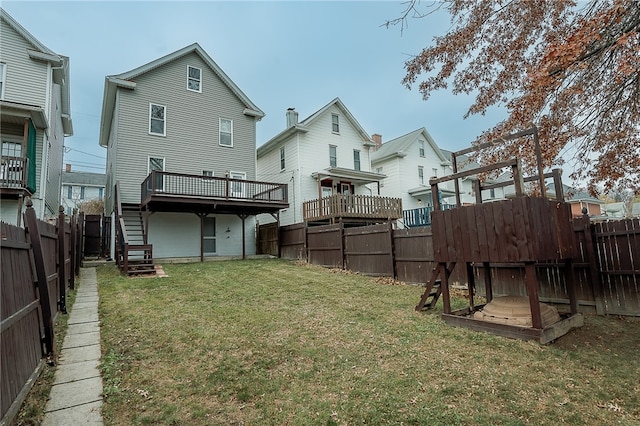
(209, 236)
(157, 164)
(238, 189)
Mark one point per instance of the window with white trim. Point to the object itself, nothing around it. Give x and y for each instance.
(335, 123)
(421, 175)
(207, 173)
(82, 192)
(282, 159)
(356, 159)
(434, 172)
(421, 148)
(379, 171)
(157, 120)
(69, 192)
(3, 77)
(194, 79)
(333, 155)
(226, 132)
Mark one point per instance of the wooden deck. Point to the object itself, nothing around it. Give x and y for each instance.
(164, 191)
(339, 207)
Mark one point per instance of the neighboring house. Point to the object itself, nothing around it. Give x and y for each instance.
(181, 142)
(80, 187)
(35, 118)
(409, 161)
(579, 199)
(325, 161)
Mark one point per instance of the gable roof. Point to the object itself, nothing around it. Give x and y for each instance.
(399, 146)
(60, 70)
(84, 178)
(112, 82)
(303, 127)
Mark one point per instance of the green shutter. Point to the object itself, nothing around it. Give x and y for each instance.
(31, 158)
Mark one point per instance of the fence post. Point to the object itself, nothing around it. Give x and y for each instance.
(79, 245)
(62, 281)
(41, 275)
(74, 247)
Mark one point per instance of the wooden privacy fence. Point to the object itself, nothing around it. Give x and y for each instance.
(39, 263)
(607, 263)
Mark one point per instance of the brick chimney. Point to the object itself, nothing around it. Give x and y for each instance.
(67, 168)
(377, 139)
(292, 117)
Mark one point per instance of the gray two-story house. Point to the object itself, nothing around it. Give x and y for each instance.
(181, 164)
(35, 118)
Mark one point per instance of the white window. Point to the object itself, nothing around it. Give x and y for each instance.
(238, 189)
(69, 192)
(226, 132)
(207, 173)
(434, 172)
(356, 159)
(421, 148)
(156, 164)
(333, 155)
(379, 171)
(100, 193)
(157, 120)
(3, 78)
(82, 192)
(335, 123)
(282, 162)
(421, 175)
(194, 79)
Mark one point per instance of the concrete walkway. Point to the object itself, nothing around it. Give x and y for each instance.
(76, 395)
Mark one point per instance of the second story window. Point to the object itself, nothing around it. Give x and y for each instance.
(335, 123)
(3, 77)
(82, 192)
(282, 162)
(434, 172)
(157, 120)
(226, 132)
(207, 173)
(356, 159)
(69, 192)
(421, 175)
(194, 79)
(421, 148)
(100, 193)
(333, 156)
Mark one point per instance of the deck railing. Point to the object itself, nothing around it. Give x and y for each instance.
(13, 172)
(352, 206)
(177, 184)
(421, 216)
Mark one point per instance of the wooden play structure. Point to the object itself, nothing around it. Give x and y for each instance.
(522, 230)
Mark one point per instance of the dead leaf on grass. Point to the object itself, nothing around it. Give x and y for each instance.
(611, 406)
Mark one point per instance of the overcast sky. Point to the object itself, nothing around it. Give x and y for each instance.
(299, 54)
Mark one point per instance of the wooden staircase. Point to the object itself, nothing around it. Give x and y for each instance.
(134, 255)
(433, 288)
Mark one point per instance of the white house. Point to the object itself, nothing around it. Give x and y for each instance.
(35, 117)
(80, 187)
(325, 160)
(181, 141)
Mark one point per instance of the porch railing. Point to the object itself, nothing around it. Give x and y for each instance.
(13, 172)
(421, 216)
(352, 206)
(166, 183)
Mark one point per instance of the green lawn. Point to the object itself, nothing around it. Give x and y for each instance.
(272, 342)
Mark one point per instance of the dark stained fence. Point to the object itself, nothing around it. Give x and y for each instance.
(36, 272)
(20, 349)
(369, 250)
(618, 249)
(325, 246)
(293, 241)
(92, 235)
(267, 241)
(105, 241)
(413, 254)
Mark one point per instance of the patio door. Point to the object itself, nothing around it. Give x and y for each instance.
(238, 189)
(209, 235)
(156, 164)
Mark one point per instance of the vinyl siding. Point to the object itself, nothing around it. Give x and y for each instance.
(177, 235)
(55, 155)
(26, 78)
(192, 125)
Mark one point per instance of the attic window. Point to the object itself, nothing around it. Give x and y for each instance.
(194, 79)
(421, 148)
(335, 123)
